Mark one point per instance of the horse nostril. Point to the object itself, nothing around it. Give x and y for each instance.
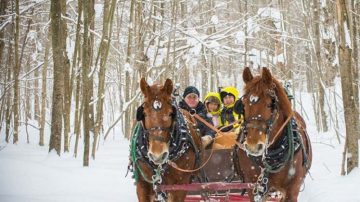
(246, 146)
(165, 156)
(260, 147)
(150, 156)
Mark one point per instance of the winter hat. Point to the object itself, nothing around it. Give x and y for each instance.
(229, 91)
(213, 97)
(191, 89)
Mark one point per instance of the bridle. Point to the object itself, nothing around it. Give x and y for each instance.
(149, 132)
(258, 122)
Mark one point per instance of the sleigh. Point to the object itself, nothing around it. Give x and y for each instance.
(218, 180)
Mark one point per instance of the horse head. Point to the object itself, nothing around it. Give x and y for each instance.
(158, 119)
(266, 107)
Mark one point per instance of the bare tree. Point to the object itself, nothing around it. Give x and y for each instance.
(321, 93)
(351, 151)
(77, 75)
(86, 81)
(44, 90)
(60, 60)
(16, 74)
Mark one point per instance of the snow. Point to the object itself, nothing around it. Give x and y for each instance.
(347, 35)
(273, 13)
(240, 37)
(99, 8)
(215, 19)
(29, 173)
(128, 68)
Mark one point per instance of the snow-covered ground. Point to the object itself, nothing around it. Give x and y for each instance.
(28, 173)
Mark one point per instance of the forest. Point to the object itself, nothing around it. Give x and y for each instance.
(75, 66)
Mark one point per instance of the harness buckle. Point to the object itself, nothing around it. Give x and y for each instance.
(192, 112)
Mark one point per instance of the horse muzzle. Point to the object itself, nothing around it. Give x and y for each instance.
(254, 149)
(159, 159)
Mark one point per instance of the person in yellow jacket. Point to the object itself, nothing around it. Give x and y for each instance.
(213, 106)
(229, 95)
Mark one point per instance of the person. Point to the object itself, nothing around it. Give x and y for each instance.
(229, 96)
(213, 106)
(191, 102)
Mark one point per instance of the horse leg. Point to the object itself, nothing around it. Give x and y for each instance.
(143, 191)
(292, 192)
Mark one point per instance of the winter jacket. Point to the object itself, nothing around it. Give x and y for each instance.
(228, 114)
(201, 111)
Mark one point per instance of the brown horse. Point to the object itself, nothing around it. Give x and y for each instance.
(274, 150)
(165, 137)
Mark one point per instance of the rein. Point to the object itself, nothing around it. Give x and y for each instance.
(281, 128)
(174, 165)
(220, 133)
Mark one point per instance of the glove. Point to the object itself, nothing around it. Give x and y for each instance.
(206, 140)
(226, 128)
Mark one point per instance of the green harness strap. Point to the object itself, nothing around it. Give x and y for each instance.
(134, 159)
(134, 136)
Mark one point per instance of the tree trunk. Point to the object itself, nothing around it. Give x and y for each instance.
(8, 101)
(3, 5)
(127, 86)
(355, 54)
(104, 50)
(43, 89)
(86, 82)
(77, 76)
(323, 117)
(59, 59)
(16, 75)
(351, 117)
(67, 89)
(91, 16)
(36, 96)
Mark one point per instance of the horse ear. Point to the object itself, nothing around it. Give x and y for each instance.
(168, 87)
(266, 75)
(145, 88)
(247, 76)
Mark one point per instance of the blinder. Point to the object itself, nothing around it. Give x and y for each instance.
(257, 122)
(140, 116)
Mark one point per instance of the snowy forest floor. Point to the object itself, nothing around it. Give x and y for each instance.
(29, 173)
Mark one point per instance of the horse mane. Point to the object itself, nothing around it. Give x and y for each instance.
(260, 87)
